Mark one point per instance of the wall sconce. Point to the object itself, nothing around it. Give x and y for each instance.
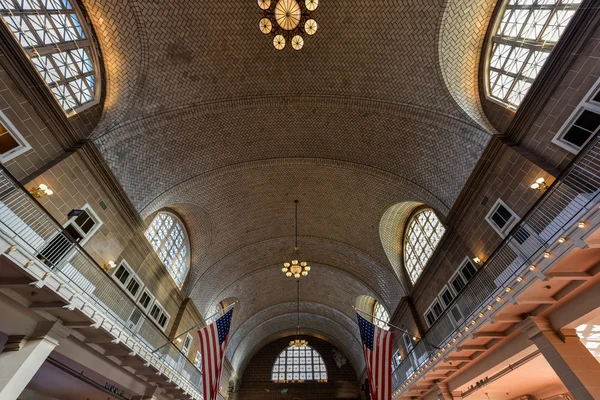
(477, 260)
(41, 191)
(109, 266)
(177, 341)
(581, 224)
(539, 184)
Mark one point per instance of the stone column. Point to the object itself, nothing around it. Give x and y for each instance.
(570, 359)
(19, 366)
(442, 392)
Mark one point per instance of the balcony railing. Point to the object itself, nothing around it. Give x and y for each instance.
(571, 196)
(39, 234)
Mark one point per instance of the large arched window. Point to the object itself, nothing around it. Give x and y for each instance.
(526, 31)
(422, 237)
(169, 240)
(299, 364)
(382, 317)
(54, 37)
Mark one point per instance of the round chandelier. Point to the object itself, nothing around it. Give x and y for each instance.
(298, 342)
(288, 21)
(295, 268)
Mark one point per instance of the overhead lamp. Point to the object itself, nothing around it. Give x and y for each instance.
(295, 268)
(288, 21)
(41, 191)
(109, 266)
(477, 260)
(539, 184)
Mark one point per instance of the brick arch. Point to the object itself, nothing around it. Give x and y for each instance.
(461, 36)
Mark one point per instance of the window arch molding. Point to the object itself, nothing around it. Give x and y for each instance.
(522, 34)
(59, 42)
(299, 364)
(169, 238)
(422, 235)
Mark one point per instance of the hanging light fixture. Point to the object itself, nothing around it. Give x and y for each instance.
(298, 342)
(296, 268)
(288, 21)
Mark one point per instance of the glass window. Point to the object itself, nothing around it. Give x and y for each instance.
(526, 35)
(382, 317)
(169, 240)
(52, 35)
(299, 364)
(198, 361)
(422, 237)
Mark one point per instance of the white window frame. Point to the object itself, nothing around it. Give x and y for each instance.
(150, 303)
(410, 353)
(16, 135)
(85, 237)
(444, 288)
(430, 308)
(586, 104)
(162, 309)
(186, 350)
(509, 224)
(456, 323)
(132, 275)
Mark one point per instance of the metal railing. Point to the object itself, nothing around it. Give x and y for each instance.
(571, 196)
(30, 226)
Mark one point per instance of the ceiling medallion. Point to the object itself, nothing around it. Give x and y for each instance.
(288, 21)
(295, 268)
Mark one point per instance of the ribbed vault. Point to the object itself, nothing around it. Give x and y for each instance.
(202, 115)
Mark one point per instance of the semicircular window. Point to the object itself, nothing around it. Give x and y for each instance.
(526, 32)
(53, 35)
(299, 364)
(382, 317)
(169, 240)
(422, 237)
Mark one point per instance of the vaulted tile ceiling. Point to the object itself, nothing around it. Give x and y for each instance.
(204, 116)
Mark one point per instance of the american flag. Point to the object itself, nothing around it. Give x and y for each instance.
(213, 342)
(377, 347)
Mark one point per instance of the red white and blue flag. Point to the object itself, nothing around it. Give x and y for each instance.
(377, 348)
(213, 342)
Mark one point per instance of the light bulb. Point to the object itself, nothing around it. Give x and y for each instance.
(303, 263)
(49, 192)
(307, 268)
(540, 180)
(304, 273)
(288, 273)
(294, 262)
(43, 187)
(535, 186)
(284, 269)
(286, 264)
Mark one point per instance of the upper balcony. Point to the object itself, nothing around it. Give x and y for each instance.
(71, 287)
(514, 279)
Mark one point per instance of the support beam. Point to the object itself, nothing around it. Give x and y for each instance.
(457, 359)
(53, 305)
(12, 283)
(446, 368)
(576, 367)
(475, 347)
(537, 300)
(78, 324)
(507, 318)
(489, 335)
(132, 362)
(569, 276)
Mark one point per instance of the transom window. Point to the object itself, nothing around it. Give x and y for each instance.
(169, 240)
(52, 34)
(299, 364)
(382, 317)
(526, 34)
(423, 235)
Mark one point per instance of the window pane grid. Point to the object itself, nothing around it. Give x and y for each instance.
(424, 233)
(526, 34)
(382, 317)
(167, 237)
(298, 365)
(51, 34)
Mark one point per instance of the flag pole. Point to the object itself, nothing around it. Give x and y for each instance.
(198, 324)
(420, 339)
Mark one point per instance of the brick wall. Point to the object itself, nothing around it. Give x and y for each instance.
(256, 380)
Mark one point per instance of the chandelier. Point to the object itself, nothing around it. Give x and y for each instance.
(298, 342)
(288, 21)
(296, 268)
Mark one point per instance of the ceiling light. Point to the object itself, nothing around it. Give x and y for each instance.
(288, 21)
(41, 191)
(539, 184)
(296, 268)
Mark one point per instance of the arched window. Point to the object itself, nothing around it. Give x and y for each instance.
(169, 240)
(299, 364)
(422, 237)
(54, 37)
(382, 317)
(526, 31)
